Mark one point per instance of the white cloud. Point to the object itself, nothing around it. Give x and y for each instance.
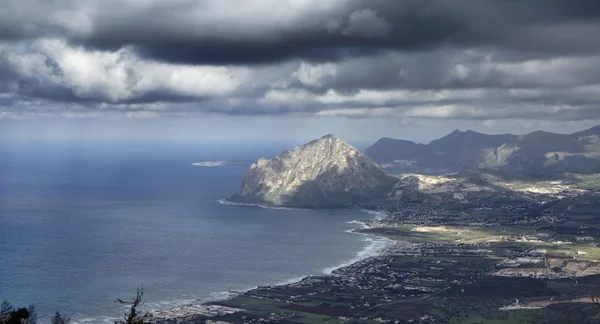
(109, 115)
(287, 96)
(120, 75)
(315, 74)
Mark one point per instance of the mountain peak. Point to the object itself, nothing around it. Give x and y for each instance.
(330, 138)
(325, 172)
(330, 143)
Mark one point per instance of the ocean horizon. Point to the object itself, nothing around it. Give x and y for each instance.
(82, 227)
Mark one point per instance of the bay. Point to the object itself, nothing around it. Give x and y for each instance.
(82, 224)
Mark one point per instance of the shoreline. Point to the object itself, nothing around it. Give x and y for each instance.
(378, 246)
(264, 206)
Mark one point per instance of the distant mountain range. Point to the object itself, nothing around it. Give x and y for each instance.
(534, 153)
(481, 169)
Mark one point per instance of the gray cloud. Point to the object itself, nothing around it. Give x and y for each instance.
(217, 32)
(365, 23)
(463, 59)
(344, 28)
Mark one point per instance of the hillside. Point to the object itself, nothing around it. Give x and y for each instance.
(539, 152)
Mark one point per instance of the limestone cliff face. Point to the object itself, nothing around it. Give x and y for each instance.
(326, 172)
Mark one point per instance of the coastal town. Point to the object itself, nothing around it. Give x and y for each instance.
(538, 265)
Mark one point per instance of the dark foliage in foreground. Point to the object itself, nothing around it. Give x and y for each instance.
(60, 319)
(11, 315)
(133, 316)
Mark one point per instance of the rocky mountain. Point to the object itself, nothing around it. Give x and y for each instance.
(535, 153)
(329, 173)
(326, 172)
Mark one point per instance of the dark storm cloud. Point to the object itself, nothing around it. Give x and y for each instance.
(479, 59)
(210, 32)
(350, 28)
(354, 28)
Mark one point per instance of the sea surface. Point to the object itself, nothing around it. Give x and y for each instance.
(82, 224)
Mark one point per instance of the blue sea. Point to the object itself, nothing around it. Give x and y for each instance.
(82, 224)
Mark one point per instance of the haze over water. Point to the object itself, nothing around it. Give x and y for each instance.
(82, 225)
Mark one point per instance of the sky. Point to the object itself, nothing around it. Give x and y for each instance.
(296, 69)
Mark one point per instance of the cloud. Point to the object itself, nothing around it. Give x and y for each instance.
(365, 23)
(54, 70)
(261, 31)
(460, 59)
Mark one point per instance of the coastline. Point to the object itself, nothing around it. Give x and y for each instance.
(378, 246)
(265, 206)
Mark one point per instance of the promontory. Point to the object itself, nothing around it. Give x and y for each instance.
(325, 173)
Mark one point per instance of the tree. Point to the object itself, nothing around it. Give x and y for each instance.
(32, 318)
(133, 316)
(10, 315)
(596, 301)
(60, 319)
(5, 311)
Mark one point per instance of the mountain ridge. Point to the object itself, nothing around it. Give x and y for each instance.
(534, 152)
